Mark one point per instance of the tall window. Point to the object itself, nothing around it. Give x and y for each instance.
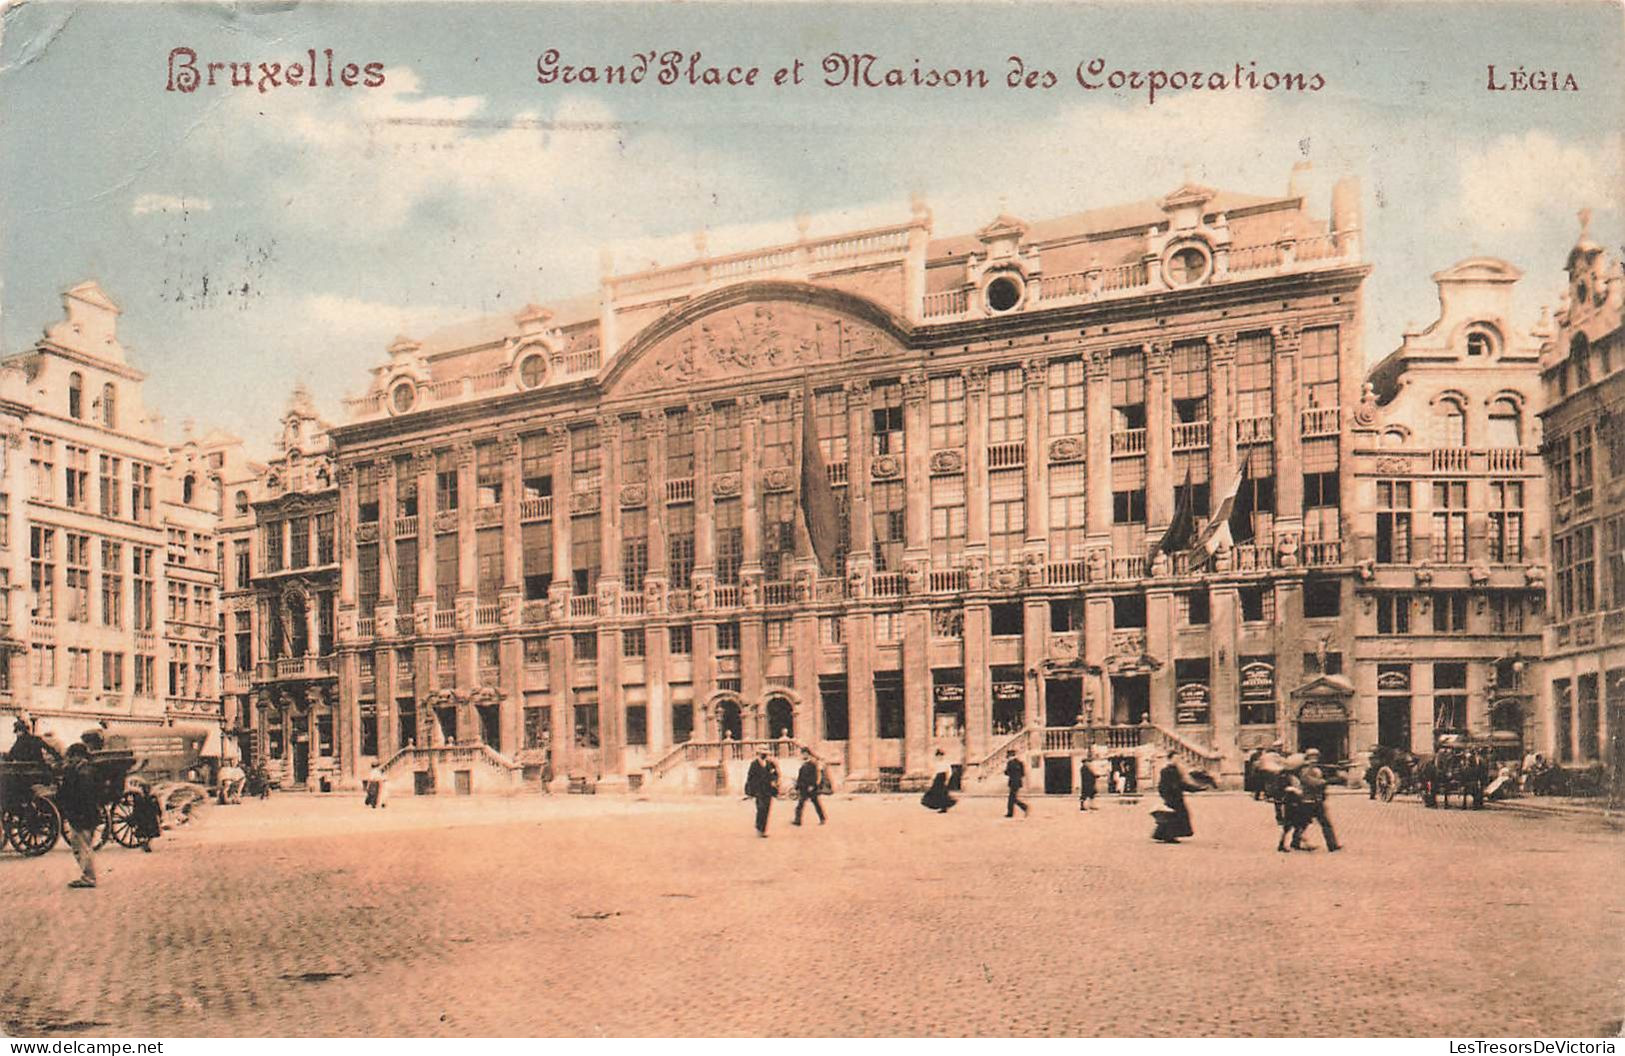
(777, 435)
(1317, 367)
(886, 412)
(1007, 515)
(142, 587)
(445, 571)
(1067, 501)
(488, 474)
(76, 395)
(778, 535)
(1505, 424)
(488, 564)
(240, 558)
(299, 542)
(366, 493)
(78, 477)
(1614, 548)
(1450, 612)
(1449, 423)
(112, 583)
(445, 481)
(273, 546)
(680, 545)
(111, 486)
(946, 395)
(325, 552)
(1393, 614)
(110, 406)
(1394, 522)
(890, 514)
(634, 451)
(634, 548)
(42, 571)
(1188, 382)
(947, 520)
(1449, 697)
(42, 467)
(1574, 557)
(1506, 521)
(1255, 376)
(1583, 480)
(1128, 388)
(78, 577)
(725, 438)
(406, 572)
(366, 559)
(537, 538)
(406, 487)
(730, 538)
(679, 444)
(1450, 521)
(586, 556)
(829, 409)
(1068, 412)
(888, 690)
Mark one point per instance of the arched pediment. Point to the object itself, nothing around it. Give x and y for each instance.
(755, 330)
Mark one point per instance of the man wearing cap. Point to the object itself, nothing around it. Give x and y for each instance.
(1015, 775)
(762, 784)
(808, 787)
(1314, 801)
(76, 799)
(28, 747)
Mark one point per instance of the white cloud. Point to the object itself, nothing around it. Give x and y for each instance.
(168, 203)
(1518, 181)
(343, 320)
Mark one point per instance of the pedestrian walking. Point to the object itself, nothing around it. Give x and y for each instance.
(1015, 775)
(1252, 779)
(1174, 820)
(76, 799)
(147, 819)
(762, 784)
(937, 797)
(1314, 783)
(809, 786)
(1086, 783)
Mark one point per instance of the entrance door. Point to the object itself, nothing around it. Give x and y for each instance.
(301, 762)
(729, 724)
(1058, 774)
(490, 729)
(1394, 722)
(1131, 699)
(1063, 700)
(1331, 738)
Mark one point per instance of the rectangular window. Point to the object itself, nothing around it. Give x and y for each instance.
(886, 413)
(728, 637)
(586, 722)
(145, 678)
(1188, 383)
(727, 514)
(637, 724)
(1449, 697)
(947, 520)
(778, 435)
(1257, 694)
(830, 630)
(890, 514)
(141, 573)
(240, 558)
(78, 578)
(1393, 614)
(1506, 522)
(78, 477)
(299, 542)
(42, 468)
(778, 535)
(778, 634)
(833, 696)
(948, 623)
(1007, 515)
(1065, 615)
(1322, 596)
(112, 584)
(679, 444)
(681, 639)
(1007, 406)
(725, 438)
(1193, 608)
(946, 405)
(44, 664)
(1450, 613)
(537, 540)
(1067, 398)
(1450, 521)
(488, 474)
(586, 554)
(1317, 366)
(243, 641)
(488, 565)
(445, 481)
(633, 643)
(366, 493)
(273, 546)
(111, 485)
(1067, 502)
(113, 672)
(42, 571)
(367, 578)
(1128, 389)
(634, 548)
(406, 573)
(445, 572)
(325, 551)
(680, 546)
(141, 492)
(1506, 613)
(406, 487)
(888, 690)
(1394, 522)
(1581, 440)
(1574, 558)
(79, 668)
(1614, 548)
(888, 626)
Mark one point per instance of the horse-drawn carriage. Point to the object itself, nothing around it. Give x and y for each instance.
(1461, 767)
(31, 822)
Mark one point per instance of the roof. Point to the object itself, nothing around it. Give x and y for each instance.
(493, 329)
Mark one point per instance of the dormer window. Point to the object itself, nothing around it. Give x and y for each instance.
(1004, 293)
(1479, 345)
(76, 395)
(1186, 266)
(402, 397)
(188, 488)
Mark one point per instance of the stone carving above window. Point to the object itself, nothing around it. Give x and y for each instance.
(1066, 449)
(725, 485)
(947, 461)
(885, 467)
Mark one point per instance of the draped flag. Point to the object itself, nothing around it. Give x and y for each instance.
(818, 510)
(1218, 532)
(1183, 525)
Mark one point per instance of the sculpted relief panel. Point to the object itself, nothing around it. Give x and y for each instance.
(755, 339)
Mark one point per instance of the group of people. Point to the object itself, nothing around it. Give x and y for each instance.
(762, 785)
(1296, 785)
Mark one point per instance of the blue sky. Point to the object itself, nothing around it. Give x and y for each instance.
(257, 239)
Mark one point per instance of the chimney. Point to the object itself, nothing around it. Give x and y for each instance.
(1297, 185)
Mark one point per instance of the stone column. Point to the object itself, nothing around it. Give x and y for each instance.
(1035, 373)
(1098, 476)
(313, 637)
(657, 654)
(917, 472)
(1224, 619)
(1288, 447)
(1159, 470)
(654, 427)
(918, 712)
(1159, 644)
(705, 544)
(386, 539)
(750, 484)
(1034, 650)
(467, 568)
(978, 721)
(976, 486)
(384, 693)
(513, 547)
(348, 515)
(563, 494)
(858, 445)
(423, 461)
(511, 709)
(859, 634)
(804, 675)
(1222, 455)
(609, 499)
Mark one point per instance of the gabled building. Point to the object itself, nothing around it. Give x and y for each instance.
(1450, 540)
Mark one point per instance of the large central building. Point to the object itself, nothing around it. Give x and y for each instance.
(572, 534)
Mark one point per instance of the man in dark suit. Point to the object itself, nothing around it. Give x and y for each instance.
(762, 784)
(1016, 774)
(808, 787)
(28, 747)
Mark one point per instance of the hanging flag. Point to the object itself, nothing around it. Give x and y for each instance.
(1217, 533)
(1183, 525)
(818, 510)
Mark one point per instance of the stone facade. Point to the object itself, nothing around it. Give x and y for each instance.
(605, 557)
(1582, 683)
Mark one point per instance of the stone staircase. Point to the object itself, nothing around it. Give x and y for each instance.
(718, 767)
(1145, 742)
(487, 769)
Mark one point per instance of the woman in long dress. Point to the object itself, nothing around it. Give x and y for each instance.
(937, 797)
(1174, 819)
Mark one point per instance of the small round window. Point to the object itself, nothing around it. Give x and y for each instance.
(1003, 293)
(402, 396)
(1187, 267)
(532, 371)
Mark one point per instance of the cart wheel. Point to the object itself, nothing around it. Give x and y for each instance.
(121, 821)
(34, 826)
(1387, 784)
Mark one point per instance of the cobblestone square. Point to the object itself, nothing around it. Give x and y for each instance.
(309, 915)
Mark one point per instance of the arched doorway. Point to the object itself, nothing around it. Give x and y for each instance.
(781, 718)
(730, 724)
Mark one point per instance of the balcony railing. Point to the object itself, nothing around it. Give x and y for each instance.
(1252, 558)
(487, 615)
(1083, 738)
(680, 490)
(1007, 455)
(406, 527)
(948, 302)
(1451, 459)
(295, 667)
(445, 619)
(948, 581)
(1251, 258)
(1259, 430)
(1128, 567)
(725, 596)
(583, 606)
(1191, 436)
(1323, 552)
(1066, 573)
(366, 626)
(837, 473)
(779, 593)
(887, 584)
(633, 603)
(539, 508)
(1504, 459)
(1128, 442)
(1322, 421)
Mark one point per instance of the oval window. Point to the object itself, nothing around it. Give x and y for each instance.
(532, 371)
(1187, 267)
(402, 396)
(1003, 293)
